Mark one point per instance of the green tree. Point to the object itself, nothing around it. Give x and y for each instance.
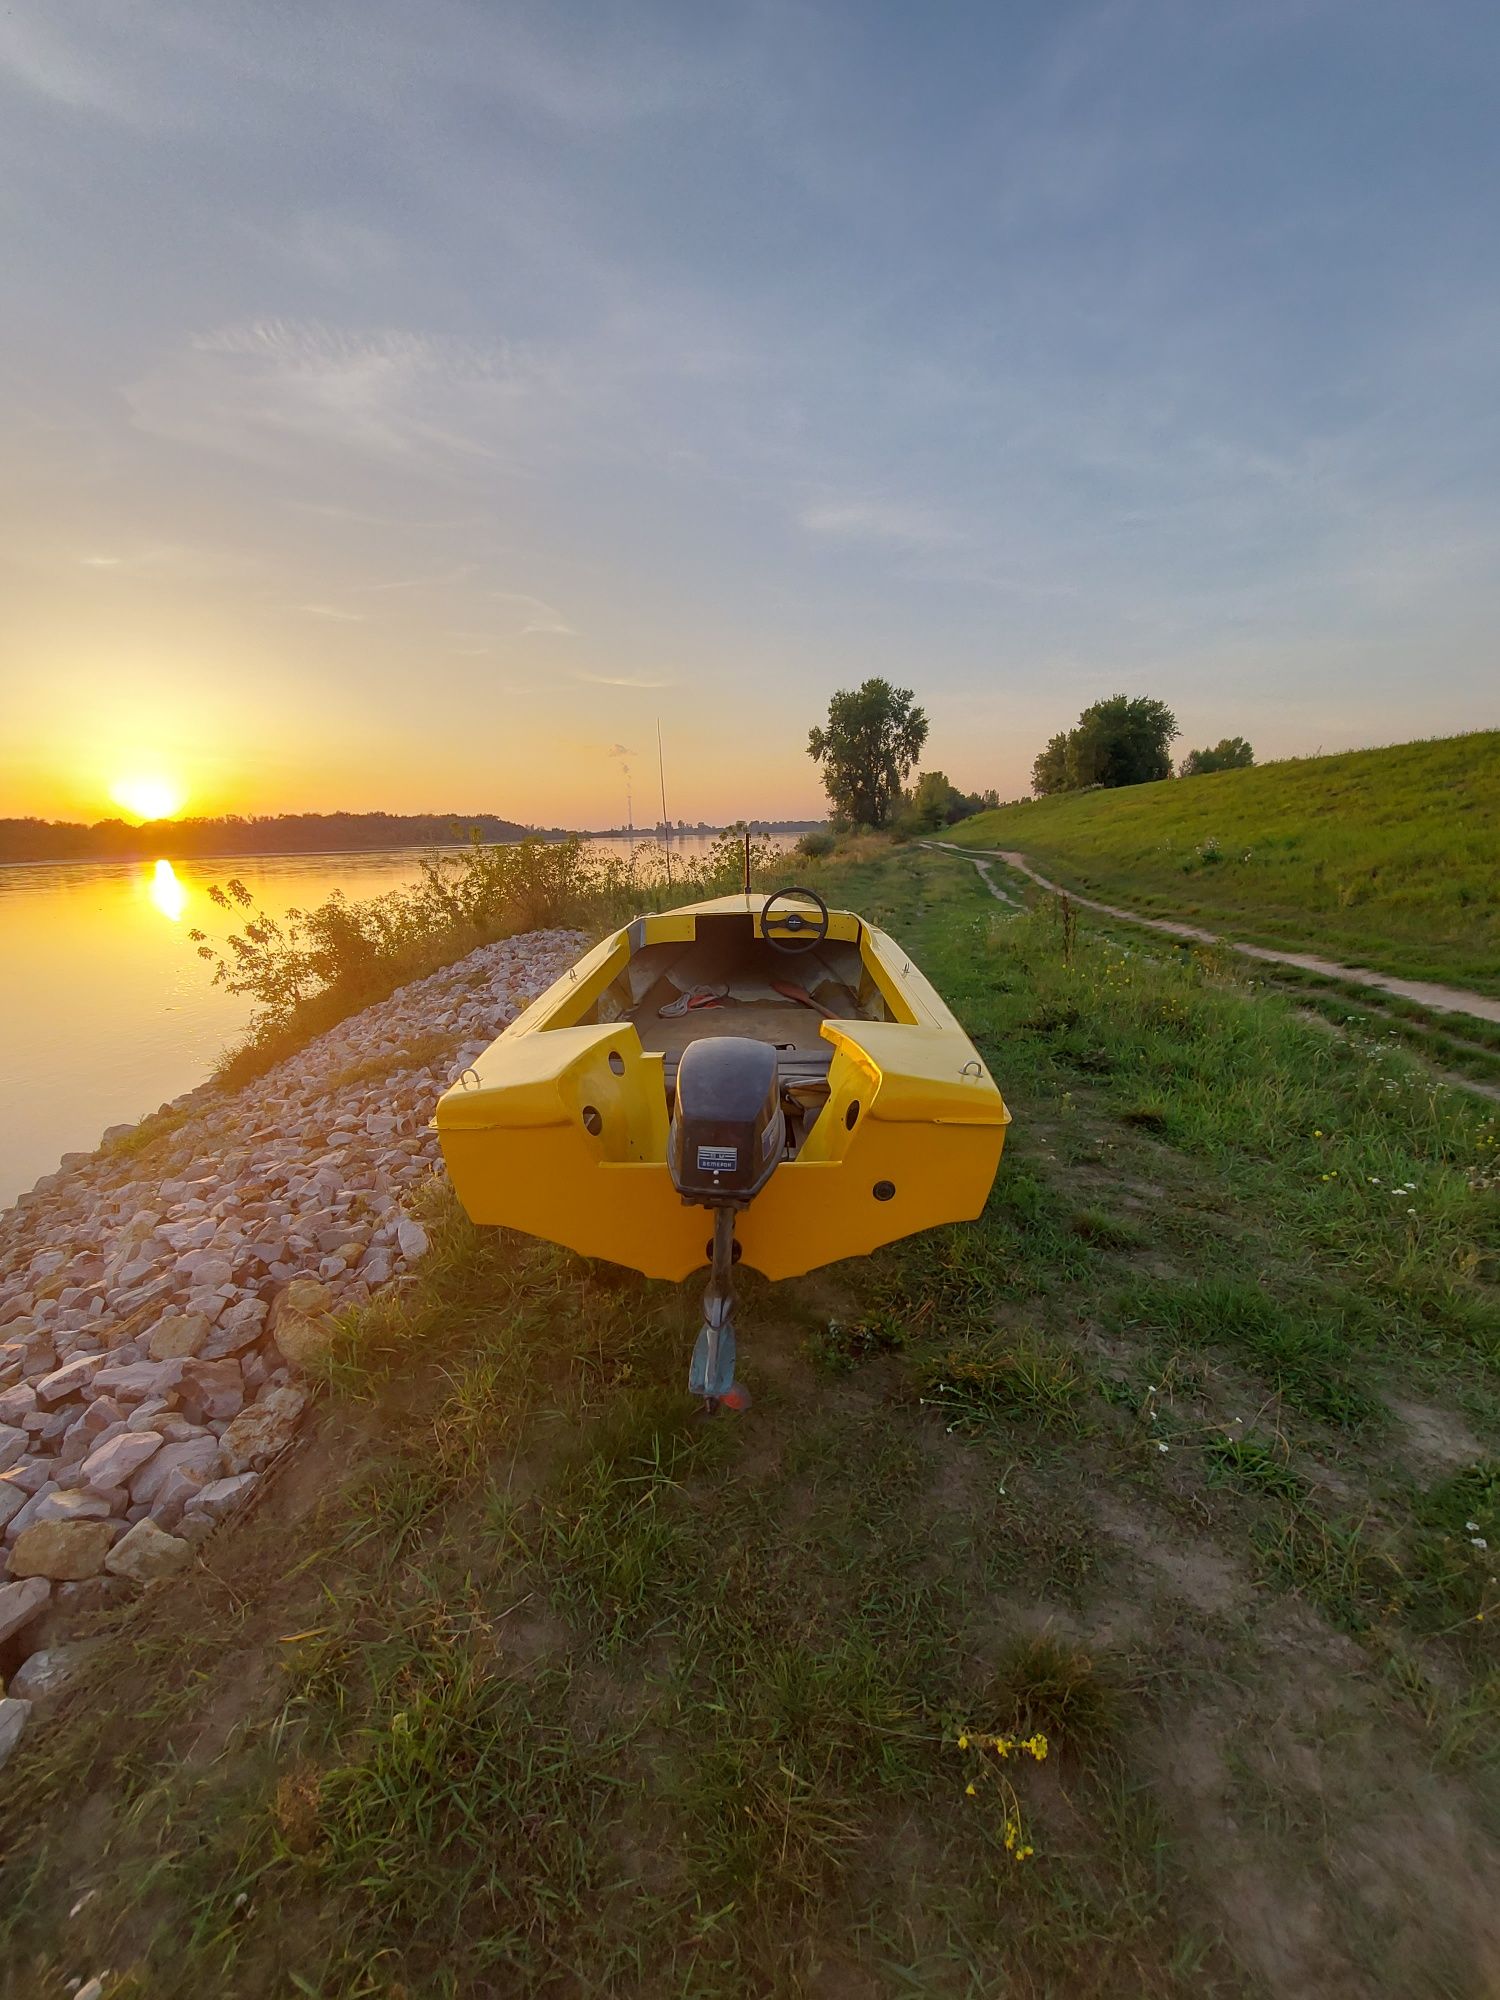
(1122, 741)
(1230, 753)
(935, 801)
(873, 737)
(932, 802)
(1050, 771)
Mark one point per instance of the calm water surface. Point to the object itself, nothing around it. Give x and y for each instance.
(106, 1011)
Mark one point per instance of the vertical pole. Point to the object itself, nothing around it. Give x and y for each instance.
(747, 860)
(666, 824)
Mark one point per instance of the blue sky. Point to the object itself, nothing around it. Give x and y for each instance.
(406, 405)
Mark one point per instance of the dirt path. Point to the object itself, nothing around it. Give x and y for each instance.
(1441, 999)
(982, 870)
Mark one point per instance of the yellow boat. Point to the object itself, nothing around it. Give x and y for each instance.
(783, 1065)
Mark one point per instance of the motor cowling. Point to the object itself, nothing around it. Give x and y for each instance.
(728, 1131)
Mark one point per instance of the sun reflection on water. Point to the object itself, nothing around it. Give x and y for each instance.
(168, 894)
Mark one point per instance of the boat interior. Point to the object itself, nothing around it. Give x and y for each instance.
(728, 980)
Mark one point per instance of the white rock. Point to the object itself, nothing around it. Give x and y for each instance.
(120, 1458)
(20, 1603)
(222, 1496)
(48, 1671)
(257, 1434)
(134, 1381)
(72, 1503)
(13, 1444)
(197, 1456)
(14, 1714)
(30, 1475)
(411, 1239)
(17, 1402)
(69, 1380)
(144, 1416)
(144, 1553)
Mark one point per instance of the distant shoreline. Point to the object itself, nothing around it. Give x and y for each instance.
(135, 857)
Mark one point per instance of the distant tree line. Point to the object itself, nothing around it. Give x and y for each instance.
(934, 802)
(1230, 753)
(1126, 741)
(282, 833)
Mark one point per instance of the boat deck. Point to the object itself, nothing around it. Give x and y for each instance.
(802, 1054)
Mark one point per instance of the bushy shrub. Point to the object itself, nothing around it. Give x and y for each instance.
(307, 969)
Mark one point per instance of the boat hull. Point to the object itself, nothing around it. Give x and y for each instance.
(560, 1128)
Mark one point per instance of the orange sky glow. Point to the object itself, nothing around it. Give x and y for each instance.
(405, 409)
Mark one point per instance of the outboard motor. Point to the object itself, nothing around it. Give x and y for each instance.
(728, 1134)
(728, 1128)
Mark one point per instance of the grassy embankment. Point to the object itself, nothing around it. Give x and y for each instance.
(524, 1680)
(1382, 858)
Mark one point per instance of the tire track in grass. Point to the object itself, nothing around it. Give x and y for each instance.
(1442, 999)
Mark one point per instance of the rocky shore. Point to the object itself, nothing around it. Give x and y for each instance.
(159, 1301)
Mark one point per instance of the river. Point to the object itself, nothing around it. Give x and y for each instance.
(106, 1011)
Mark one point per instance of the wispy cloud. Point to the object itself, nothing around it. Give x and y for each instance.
(334, 611)
(438, 580)
(332, 247)
(177, 559)
(621, 681)
(272, 388)
(38, 54)
(873, 519)
(542, 618)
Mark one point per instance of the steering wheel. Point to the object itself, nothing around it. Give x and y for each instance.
(798, 932)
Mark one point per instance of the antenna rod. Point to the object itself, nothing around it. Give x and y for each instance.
(666, 824)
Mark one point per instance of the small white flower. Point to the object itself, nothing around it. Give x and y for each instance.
(1478, 1542)
(1161, 1444)
(1472, 1526)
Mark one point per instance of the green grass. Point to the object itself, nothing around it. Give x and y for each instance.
(527, 1680)
(1385, 858)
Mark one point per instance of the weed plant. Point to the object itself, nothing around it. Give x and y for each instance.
(307, 970)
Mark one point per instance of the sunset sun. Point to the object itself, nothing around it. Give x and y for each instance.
(148, 797)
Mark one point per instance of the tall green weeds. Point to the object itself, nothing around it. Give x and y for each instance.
(309, 968)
